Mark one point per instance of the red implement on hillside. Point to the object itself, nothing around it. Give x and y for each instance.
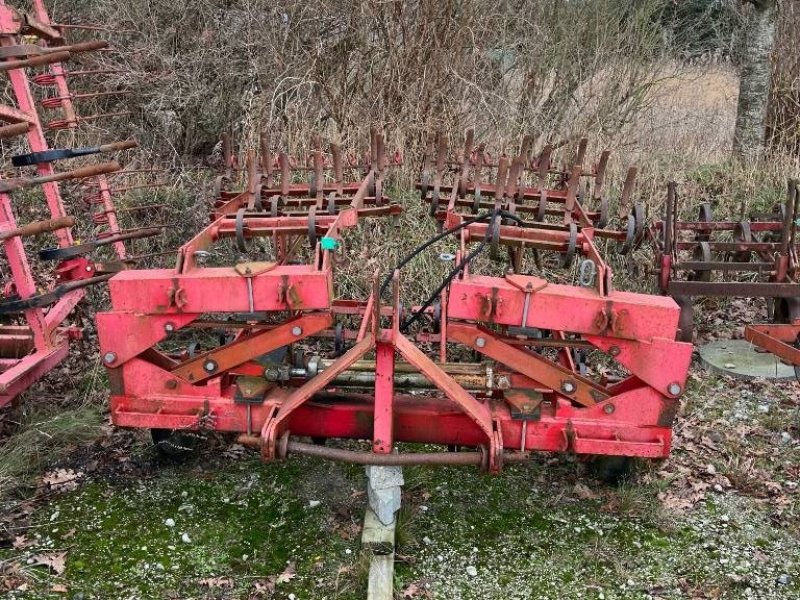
(394, 374)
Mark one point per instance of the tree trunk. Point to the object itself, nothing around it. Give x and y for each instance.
(754, 86)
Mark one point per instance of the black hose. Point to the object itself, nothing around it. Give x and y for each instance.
(414, 253)
(460, 267)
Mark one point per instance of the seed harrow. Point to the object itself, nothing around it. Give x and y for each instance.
(293, 361)
(34, 337)
(753, 257)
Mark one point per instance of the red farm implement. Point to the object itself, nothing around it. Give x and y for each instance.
(33, 336)
(753, 257)
(395, 374)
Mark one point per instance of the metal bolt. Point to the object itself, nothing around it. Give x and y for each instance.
(271, 374)
(171, 384)
(169, 327)
(567, 387)
(109, 357)
(210, 366)
(88, 268)
(614, 351)
(296, 330)
(480, 342)
(608, 409)
(503, 383)
(674, 388)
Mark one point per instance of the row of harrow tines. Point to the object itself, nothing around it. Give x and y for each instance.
(291, 200)
(553, 189)
(735, 258)
(40, 290)
(494, 369)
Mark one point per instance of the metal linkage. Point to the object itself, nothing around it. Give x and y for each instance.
(530, 389)
(746, 258)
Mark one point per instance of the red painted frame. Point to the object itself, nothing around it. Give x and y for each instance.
(150, 388)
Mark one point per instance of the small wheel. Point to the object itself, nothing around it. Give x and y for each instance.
(630, 235)
(641, 216)
(612, 470)
(569, 255)
(705, 216)
(602, 219)
(494, 248)
(175, 443)
(701, 253)
(257, 204)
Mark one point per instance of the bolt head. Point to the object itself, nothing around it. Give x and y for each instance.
(109, 357)
(567, 387)
(614, 351)
(674, 388)
(169, 327)
(480, 342)
(210, 366)
(609, 409)
(296, 330)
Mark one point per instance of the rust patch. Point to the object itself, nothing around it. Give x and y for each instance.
(669, 410)
(116, 383)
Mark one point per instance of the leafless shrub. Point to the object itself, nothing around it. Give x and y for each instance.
(541, 66)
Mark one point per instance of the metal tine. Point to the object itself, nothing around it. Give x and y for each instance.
(58, 101)
(513, 177)
(668, 218)
(627, 190)
(67, 124)
(600, 174)
(469, 144)
(500, 180)
(338, 170)
(543, 163)
(266, 156)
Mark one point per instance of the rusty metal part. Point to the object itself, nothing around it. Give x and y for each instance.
(10, 185)
(37, 227)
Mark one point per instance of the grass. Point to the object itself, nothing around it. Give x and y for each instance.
(43, 437)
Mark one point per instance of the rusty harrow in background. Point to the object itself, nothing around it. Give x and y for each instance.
(754, 257)
(35, 338)
(536, 188)
(274, 375)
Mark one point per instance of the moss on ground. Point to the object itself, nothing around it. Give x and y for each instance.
(240, 520)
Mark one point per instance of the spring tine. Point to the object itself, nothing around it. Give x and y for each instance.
(66, 124)
(58, 101)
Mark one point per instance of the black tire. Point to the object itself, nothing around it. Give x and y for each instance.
(174, 444)
(612, 470)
